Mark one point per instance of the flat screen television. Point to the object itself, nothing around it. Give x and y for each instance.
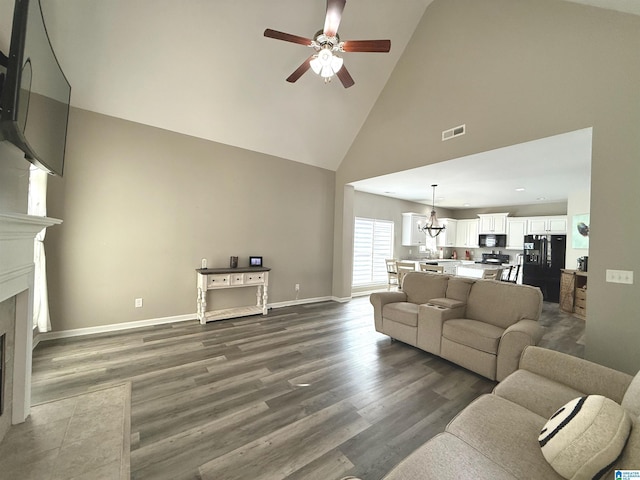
(34, 103)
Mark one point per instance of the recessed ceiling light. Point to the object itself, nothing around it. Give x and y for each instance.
(541, 198)
(389, 193)
(520, 189)
(466, 204)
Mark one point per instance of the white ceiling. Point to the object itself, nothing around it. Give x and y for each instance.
(548, 170)
(204, 68)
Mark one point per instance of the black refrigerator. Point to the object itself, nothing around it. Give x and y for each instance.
(543, 260)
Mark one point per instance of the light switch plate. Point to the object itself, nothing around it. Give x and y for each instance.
(620, 276)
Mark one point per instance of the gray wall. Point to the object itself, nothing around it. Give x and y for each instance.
(141, 206)
(515, 71)
(14, 179)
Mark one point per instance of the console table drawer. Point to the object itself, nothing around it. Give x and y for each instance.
(252, 278)
(237, 279)
(218, 281)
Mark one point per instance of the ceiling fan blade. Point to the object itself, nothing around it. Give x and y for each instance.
(287, 37)
(334, 15)
(301, 70)
(367, 46)
(345, 77)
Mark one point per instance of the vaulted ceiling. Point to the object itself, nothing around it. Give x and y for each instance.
(203, 67)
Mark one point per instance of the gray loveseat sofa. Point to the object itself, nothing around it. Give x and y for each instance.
(482, 325)
(496, 436)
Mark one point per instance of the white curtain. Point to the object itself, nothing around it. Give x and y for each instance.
(38, 206)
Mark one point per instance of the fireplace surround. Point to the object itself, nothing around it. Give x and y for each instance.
(17, 234)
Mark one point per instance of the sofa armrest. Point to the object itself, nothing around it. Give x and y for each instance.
(431, 317)
(577, 373)
(513, 341)
(379, 300)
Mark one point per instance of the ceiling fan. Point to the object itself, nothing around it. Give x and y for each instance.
(326, 43)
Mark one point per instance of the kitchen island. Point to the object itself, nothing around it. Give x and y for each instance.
(450, 265)
(475, 270)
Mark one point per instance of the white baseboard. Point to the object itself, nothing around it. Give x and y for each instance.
(115, 327)
(76, 332)
(301, 301)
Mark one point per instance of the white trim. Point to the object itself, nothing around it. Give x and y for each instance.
(302, 301)
(114, 327)
(341, 300)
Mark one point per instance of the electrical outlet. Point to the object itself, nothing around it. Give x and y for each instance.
(620, 276)
(297, 287)
(138, 303)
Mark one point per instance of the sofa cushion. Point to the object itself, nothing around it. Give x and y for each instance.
(585, 436)
(631, 400)
(479, 335)
(445, 456)
(447, 302)
(502, 304)
(539, 394)
(507, 434)
(631, 453)
(421, 287)
(401, 312)
(459, 288)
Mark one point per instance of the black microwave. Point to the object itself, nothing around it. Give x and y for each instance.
(492, 240)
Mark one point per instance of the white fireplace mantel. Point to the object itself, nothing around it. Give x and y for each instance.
(17, 233)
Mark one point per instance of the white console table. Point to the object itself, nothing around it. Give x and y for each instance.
(221, 278)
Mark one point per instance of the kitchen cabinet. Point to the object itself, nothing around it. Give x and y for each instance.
(467, 234)
(492, 223)
(545, 225)
(516, 230)
(448, 237)
(411, 236)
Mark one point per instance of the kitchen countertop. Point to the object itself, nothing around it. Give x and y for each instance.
(437, 260)
(484, 266)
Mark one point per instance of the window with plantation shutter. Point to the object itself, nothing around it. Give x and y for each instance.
(372, 245)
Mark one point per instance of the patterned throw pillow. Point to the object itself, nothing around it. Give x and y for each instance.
(584, 437)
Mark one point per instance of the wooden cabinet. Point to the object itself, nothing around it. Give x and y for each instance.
(573, 293)
(448, 237)
(467, 234)
(516, 230)
(545, 225)
(567, 290)
(492, 223)
(411, 236)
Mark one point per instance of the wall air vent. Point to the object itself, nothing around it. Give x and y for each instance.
(453, 132)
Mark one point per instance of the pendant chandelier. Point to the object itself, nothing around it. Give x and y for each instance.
(432, 227)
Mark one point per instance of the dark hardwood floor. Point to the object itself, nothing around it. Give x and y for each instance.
(306, 392)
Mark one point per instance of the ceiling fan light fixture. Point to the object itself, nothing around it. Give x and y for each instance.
(325, 43)
(316, 66)
(336, 63)
(325, 63)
